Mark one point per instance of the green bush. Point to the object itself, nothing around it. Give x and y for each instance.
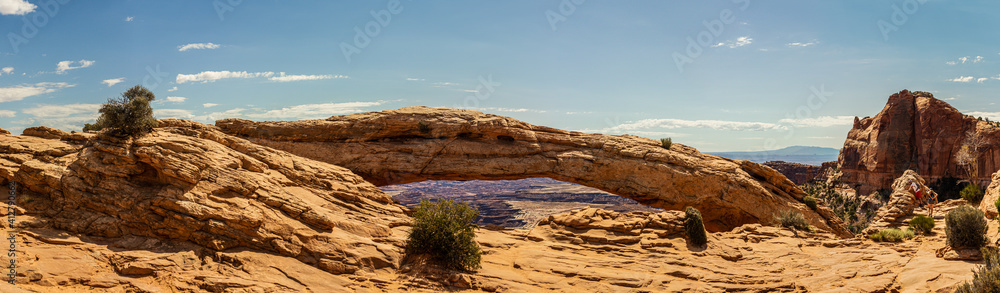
(971, 193)
(922, 224)
(965, 226)
(694, 227)
(986, 278)
(810, 202)
(892, 235)
(129, 115)
(666, 142)
(793, 219)
(446, 230)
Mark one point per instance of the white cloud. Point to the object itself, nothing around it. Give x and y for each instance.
(951, 63)
(982, 79)
(176, 99)
(514, 110)
(994, 116)
(129, 19)
(7, 113)
(113, 81)
(739, 42)
(63, 66)
(797, 44)
(314, 111)
(824, 121)
(414, 79)
(962, 79)
(16, 7)
(287, 78)
(60, 111)
(678, 123)
(172, 113)
(209, 105)
(197, 46)
(7, 70)
(17, 93)
(440, 84)
(965, 59)
(173, 89)
(211, 76)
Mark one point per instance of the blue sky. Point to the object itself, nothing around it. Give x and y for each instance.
(753, 75)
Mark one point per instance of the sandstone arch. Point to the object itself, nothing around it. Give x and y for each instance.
(420, 143)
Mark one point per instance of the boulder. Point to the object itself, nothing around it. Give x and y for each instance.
(901, 203)
(988, 205)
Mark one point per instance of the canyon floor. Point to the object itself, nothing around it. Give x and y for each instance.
(586, 250)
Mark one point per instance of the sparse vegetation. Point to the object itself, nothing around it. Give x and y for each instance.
(128, 115)
(971, 193)
(423, 127)
(666, 142)
(694, 227)
(965, 226)
(922, 224)
(810, 202)
(856, 212)
(791, 218)
(446, 230)
(986, 278)
(892, 235)
(968, 155)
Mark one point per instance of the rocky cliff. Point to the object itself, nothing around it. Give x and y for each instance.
(420, 143)
(918, 132)
(190, 182)
(800, 173)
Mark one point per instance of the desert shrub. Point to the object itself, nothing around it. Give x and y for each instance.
(666, 142)
(694, 227)
(810, 202)
(128, 115)
(965, 226)
(446, 230)
(997, 204)
(892, 235)
(793, 219)
(971, 193)
(922, 224)
(985, 278)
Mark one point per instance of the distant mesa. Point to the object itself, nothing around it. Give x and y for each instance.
(807, 155)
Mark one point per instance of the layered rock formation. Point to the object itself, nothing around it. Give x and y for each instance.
(902, 203)
(914, 131)
(421, 143)
(992, 194)
(800, 173)
(190, 182)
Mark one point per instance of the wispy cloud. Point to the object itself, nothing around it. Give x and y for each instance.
(129, 19)
(63, 66)
(209, 105)
(65, 117)
(823, 121)
(7, 113)
(113, 81)
(198, 46)
(994, 116)
(17, 93)
(962, 79)
(6, 70)
(173, 89)
(798, 44)
(739, 42)
(969, 59)
(414, 79)
(287, 78)
(512, 110)
(211, 76)
(176, 99)
(16, 7)
(679, 123)
(314, 111)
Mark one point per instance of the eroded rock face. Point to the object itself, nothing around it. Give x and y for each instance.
(800, 173)
(190, 182)
(915, 131)
(420, 143)
(988, 205)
